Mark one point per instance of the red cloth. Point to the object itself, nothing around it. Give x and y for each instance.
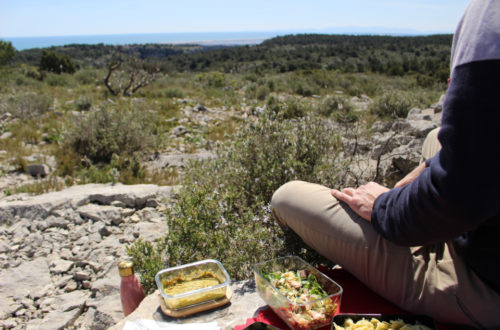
(356, 298)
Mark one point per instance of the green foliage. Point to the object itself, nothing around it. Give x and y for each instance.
(51, 183)
(58, 79)
(393, 104)
(339, 107)
(88, 76)
(149, 259)
(213, 79)
(26, 105)
(288, 108)
(174, 93)
(83, 103)
(7, 52)
(56, 62)
(32, 72)
(106, 132)
(223, 212)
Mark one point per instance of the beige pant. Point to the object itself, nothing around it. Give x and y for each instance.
(431, 280)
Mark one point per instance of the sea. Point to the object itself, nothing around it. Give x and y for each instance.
(203, 38)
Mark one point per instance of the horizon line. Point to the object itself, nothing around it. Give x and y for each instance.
(327, 30)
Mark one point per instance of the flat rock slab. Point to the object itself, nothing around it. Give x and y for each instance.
(29, 279)
(244, 304)
(31, 207)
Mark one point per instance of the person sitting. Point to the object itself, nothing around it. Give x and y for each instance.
(431, 245)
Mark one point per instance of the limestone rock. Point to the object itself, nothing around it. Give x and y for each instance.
(28, 279)
(95, 320)
(41, 206)
(151, 231)
(5, 135)
(37, 170)
(55, 320)
(61, 266)
(109, 305)
(101, 213)
(179, 131)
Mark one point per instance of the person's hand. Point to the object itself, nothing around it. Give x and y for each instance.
(410, 176)
(361, 200)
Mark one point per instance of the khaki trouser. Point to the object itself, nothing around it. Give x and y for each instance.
(431, 280)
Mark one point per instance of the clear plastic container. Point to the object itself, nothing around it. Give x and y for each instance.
(191, 272)
(309, 315)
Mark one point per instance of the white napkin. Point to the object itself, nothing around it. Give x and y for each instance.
(154, 325)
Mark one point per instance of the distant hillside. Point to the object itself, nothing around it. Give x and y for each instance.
(393, 55)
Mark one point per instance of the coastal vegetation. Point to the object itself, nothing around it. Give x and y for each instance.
(102, 112)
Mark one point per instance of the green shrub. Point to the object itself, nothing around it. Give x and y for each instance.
(56, 79)
(148, 258)
(393, 104)
(88, 76)
(7, 52)
(174, 93)
(223, 211)
(56, 62)
(288, 108)
(106, 132)
(32, 72)
(339, 107)
(26, 105)
(83, 103)
(213, 79)
(304, 88)
(262, 92)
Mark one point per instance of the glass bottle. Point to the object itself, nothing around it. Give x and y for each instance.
(130, 289)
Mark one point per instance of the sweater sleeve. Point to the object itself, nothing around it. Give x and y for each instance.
(460, 188)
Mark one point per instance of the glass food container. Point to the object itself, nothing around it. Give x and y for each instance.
(193, 273)
(310, 314)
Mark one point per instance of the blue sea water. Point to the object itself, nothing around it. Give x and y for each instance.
(207, 38)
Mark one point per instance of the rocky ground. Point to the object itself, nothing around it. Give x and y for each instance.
(59, 251)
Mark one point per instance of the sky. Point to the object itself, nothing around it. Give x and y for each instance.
(30, 18)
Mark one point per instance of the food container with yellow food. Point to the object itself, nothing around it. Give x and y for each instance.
(190, 285)
(297, 292)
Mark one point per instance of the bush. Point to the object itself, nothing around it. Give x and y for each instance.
(213, 79)
(174, 93)
(7, 52)
(223, 210)
(262, 92)
(26, 105)
(55, 80)
(288, 108)
(84, 103)
(393, 104)
(31, 72)
(88, 76)
(303, 88)
(56, 62)
(339, 107)
(106, 132)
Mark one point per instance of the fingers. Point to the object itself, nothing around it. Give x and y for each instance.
(345, 195)
(348, 191)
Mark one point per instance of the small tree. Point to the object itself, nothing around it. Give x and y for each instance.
(128, 76)
(7, 52)
(56, 62)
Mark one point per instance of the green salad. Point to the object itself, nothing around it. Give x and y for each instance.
(310, 306)
(298, 286)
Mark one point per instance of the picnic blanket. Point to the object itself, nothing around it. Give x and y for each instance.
(357, 298)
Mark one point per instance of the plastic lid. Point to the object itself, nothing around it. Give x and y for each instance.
(126, 268)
